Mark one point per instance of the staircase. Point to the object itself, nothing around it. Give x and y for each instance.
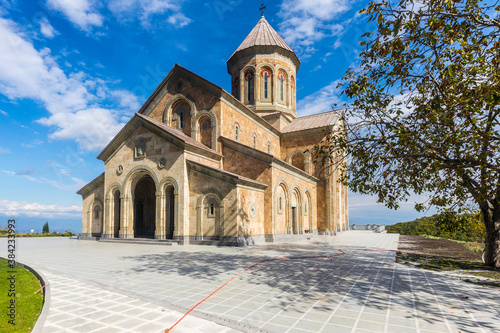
(148, 241)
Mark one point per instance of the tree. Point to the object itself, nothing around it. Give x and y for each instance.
(45, 229)
(423, 115)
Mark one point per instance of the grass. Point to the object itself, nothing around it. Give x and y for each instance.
(28, 305)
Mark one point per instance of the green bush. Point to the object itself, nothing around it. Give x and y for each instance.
(448, 224)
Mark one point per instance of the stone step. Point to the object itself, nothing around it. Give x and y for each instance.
(148, 241)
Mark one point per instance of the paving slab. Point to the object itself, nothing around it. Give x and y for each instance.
(106, 287)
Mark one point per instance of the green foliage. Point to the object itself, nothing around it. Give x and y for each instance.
(28, 304)
(469, 228)
(45, 229)
(424, 116)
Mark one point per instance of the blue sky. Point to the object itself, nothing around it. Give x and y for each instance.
(73, 72)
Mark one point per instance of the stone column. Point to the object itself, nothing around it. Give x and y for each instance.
(127, 218)
(160, 221)
(108, 216)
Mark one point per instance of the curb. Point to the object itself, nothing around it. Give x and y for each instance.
(46, 296)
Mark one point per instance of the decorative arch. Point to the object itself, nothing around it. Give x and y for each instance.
(134, 175)
(281, 204)
(237, 130)
(282, 83)
(308, 211)
(210, 216)
(266, 84)
(249, 85)
(296, 208)
(169, 212)
(269, 147)
(113, 221)
(303, 163)
(207, 136)
(255, 139)
(174, 112)
(96, 217)
(292, 92)
(130, 207)
(236, 88)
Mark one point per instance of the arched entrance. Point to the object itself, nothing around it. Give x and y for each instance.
(144, 208)
(170, 211)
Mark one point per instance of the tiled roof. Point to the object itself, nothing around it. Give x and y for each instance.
(175, 132)
(314, 121)
(263, 34)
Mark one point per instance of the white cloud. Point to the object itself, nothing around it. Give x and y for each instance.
(47, 29)
(320, 101)
(126, 100)
(15, 208)
(4, 151)
(4, 113)
(129, 10)
(72, 99)
(92, 128)
(179, 20)
(82, 13)
(306, 22)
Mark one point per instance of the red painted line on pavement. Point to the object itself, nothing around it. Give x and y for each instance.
(268, 260)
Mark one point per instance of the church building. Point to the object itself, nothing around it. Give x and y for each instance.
(199, 165)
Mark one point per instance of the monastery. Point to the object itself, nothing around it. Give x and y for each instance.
(199, 165)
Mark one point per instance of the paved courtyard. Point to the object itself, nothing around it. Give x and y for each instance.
(104, 287)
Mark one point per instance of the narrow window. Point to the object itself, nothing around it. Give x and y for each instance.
(255, 142)
(212, 209)
(280, 205)
(281, 87)
(181, 122)
(265, 85)
(269, 148)
(236, 133)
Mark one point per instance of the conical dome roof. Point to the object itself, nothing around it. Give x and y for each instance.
(263, 39)
(263, 34)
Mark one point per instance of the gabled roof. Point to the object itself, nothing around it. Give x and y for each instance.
(93, 184)
(263, 34)
(319, 120)
(173, 135)
(175, 132)
(178, 72)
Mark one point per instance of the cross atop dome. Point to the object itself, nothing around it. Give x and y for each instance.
(262, 7)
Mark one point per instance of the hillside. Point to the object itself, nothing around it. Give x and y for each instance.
(467, 228)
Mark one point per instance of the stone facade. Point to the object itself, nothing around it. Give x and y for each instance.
(199, 165)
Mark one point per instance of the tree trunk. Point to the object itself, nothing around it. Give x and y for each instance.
(492, 239)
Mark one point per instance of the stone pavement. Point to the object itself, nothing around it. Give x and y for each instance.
(103, 287)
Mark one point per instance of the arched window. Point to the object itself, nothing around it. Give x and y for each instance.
(254, 141)
(269, 148)
(181, 117)
(281, 78)
(236, 88)
(292, 91)
(236, 132)
(249, 85)
(265, 83)
(280, 204)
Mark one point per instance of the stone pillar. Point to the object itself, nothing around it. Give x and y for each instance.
(108, 216)
(127, 218)
(160, 221)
